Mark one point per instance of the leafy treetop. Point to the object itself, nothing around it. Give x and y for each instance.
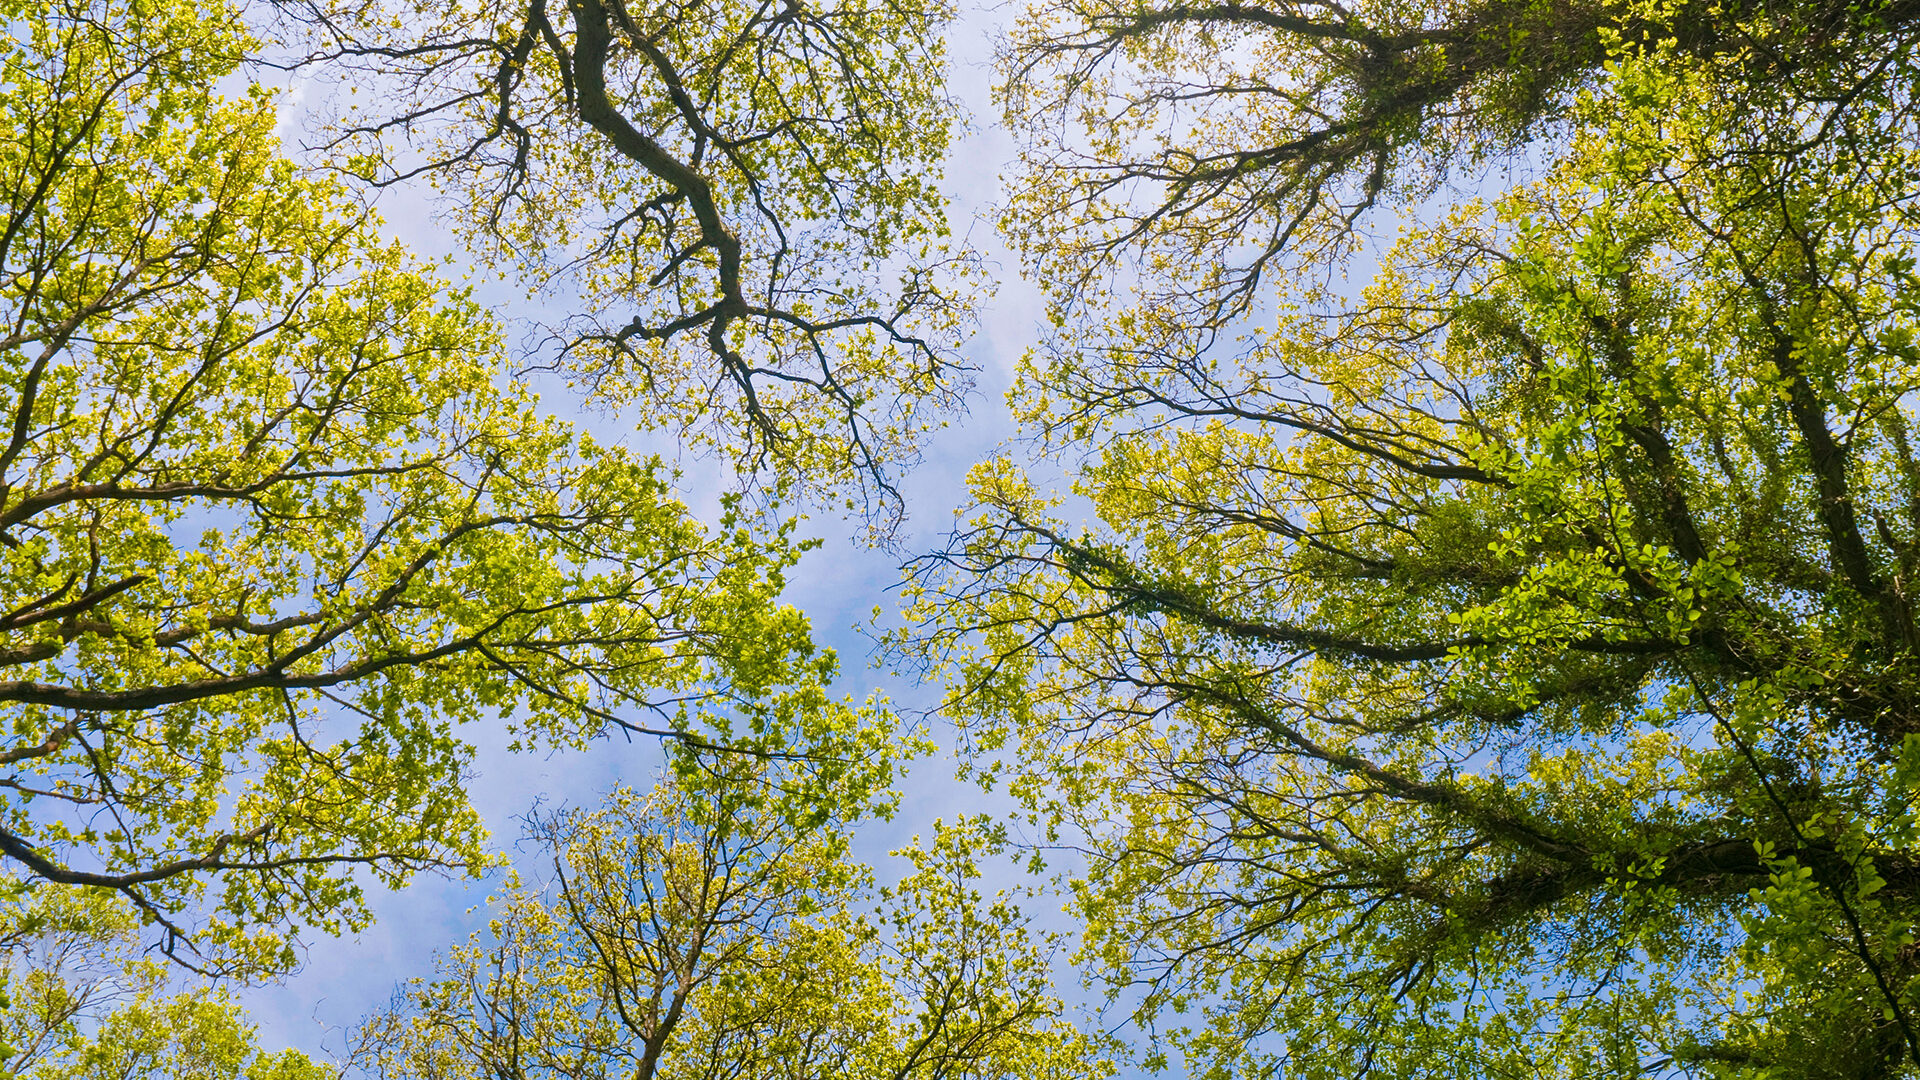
(272, 525)
(744, 195)
(1509, 670)
(690, 933)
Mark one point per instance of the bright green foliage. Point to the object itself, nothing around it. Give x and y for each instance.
(271, 527)
(1511, 670)
(742, 194)
(692, 933)
(82, 1002)
(1178, 156)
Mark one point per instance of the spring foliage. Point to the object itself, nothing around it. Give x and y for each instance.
(79, 1000)
(1505, 667)
(692, 933)
(738, 201)
(273, 525)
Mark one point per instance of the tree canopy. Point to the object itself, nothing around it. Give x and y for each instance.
(739, 201)
(273, 523)
(1505, 667)
(691, 932)
(1486, 653)
(1182, 153)
(80, 1001)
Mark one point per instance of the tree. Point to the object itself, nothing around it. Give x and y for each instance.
(1509, 670)
(743, 194)
(695, 932)
(79, 1001)
(272, 525)
(1180, 155)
